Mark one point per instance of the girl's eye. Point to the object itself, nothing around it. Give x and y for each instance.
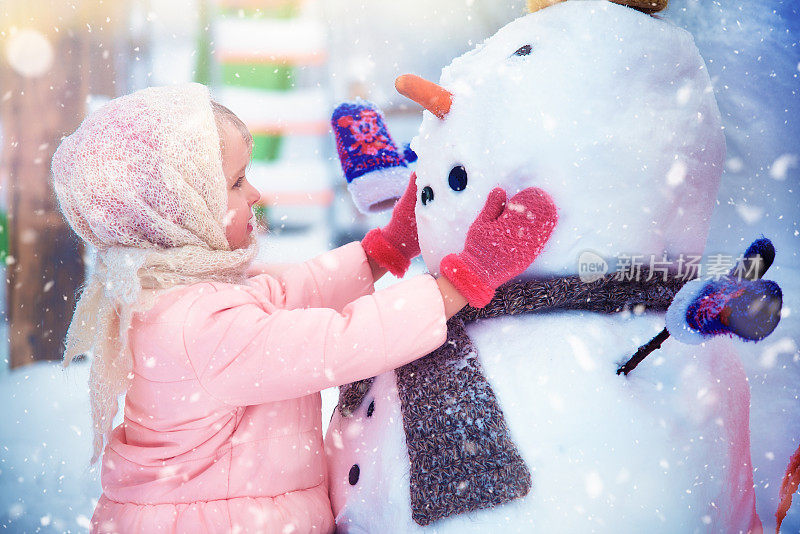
(239, 182)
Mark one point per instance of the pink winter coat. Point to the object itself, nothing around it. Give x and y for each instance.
(223, 429)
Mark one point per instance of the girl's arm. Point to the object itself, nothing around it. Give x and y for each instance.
(246, 351)
(377, 270)
(330, 280)
(453, 300)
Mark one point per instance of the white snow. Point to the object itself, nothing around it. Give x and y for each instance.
(782, 165)
(46, 482)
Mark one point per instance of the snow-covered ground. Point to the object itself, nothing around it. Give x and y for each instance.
(46, 483)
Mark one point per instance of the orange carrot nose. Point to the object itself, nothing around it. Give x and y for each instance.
(427, 94)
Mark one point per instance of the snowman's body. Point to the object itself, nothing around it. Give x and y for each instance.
(666, 450)
(611, 112)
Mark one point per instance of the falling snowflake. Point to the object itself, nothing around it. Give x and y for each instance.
(780, 167)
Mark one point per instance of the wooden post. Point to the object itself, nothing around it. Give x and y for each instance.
(41, 102)
(44, 267)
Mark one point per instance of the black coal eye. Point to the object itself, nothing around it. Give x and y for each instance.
(371, 409)
(523, 50)
(426, 195)
(457, 178)
(352, 477)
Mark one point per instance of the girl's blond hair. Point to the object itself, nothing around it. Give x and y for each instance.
(223, 114)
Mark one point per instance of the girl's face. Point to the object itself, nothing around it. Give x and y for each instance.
(241, 195)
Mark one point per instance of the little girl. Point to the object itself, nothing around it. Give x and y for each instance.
(222, 362)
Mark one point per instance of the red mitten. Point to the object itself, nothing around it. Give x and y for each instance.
(396, 244)
(501, 243)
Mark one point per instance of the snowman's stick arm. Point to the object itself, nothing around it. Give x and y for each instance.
(643, 352)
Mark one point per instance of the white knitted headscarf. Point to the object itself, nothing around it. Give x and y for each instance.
(141, 180)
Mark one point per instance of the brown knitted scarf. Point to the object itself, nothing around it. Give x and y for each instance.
(461, 453)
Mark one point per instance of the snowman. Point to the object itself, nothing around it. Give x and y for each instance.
(521, 421)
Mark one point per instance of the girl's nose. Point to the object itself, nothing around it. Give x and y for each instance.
(253, 195)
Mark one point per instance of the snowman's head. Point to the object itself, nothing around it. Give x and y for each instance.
(607, 109)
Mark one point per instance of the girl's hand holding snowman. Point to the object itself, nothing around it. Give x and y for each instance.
(396, 244)
(501, 243)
